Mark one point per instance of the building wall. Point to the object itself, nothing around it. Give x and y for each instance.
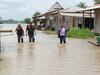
(68, 22)
(54, 21)
(71, 22)
(97, 21)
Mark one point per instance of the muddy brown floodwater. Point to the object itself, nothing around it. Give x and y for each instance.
(47, 57)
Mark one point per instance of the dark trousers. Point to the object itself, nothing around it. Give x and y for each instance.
(31, 38)
(20, 38)
(62, 39)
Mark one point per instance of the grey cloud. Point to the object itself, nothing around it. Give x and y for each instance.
(13, 3)
(20, 9)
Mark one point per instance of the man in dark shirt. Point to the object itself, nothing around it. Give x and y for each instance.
(20, 33)
(30, 29)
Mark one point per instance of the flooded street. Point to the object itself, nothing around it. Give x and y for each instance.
(47, 57)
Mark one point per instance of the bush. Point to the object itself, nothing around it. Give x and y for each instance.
(80, 33)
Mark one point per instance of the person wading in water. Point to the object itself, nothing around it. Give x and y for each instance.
(62, 32)
(30, 30)
(20, 33)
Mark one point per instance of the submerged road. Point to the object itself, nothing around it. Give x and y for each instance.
(47, 57)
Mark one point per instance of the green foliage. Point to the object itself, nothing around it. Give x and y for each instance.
(11, 21)
(27, 20)
(80, 33)
(0, 20)
(82, 5)
(97, 1)
(35, 15)
(98, 36)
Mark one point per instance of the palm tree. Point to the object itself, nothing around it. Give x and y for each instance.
(82, 5)
(35, 15)
(97, 1)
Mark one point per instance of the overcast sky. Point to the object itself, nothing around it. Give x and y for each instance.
(20, 9)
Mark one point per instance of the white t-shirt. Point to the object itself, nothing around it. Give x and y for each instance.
(62, 32)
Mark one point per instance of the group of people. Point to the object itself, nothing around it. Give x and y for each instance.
(30, 31)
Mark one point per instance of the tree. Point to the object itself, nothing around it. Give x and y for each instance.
(82, 5)
(97, 1)
(27, 20)
(35, 15)
(0, 20)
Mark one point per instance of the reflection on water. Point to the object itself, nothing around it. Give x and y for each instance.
(20, 45)
(25, 51)
(62, 49)
(31, 49)
(19, 49)
(0, 59)
(31, 46)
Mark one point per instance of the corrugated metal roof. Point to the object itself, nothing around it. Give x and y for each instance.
(56, 5)
(72, 9)
(75, 14)
(93, 7)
